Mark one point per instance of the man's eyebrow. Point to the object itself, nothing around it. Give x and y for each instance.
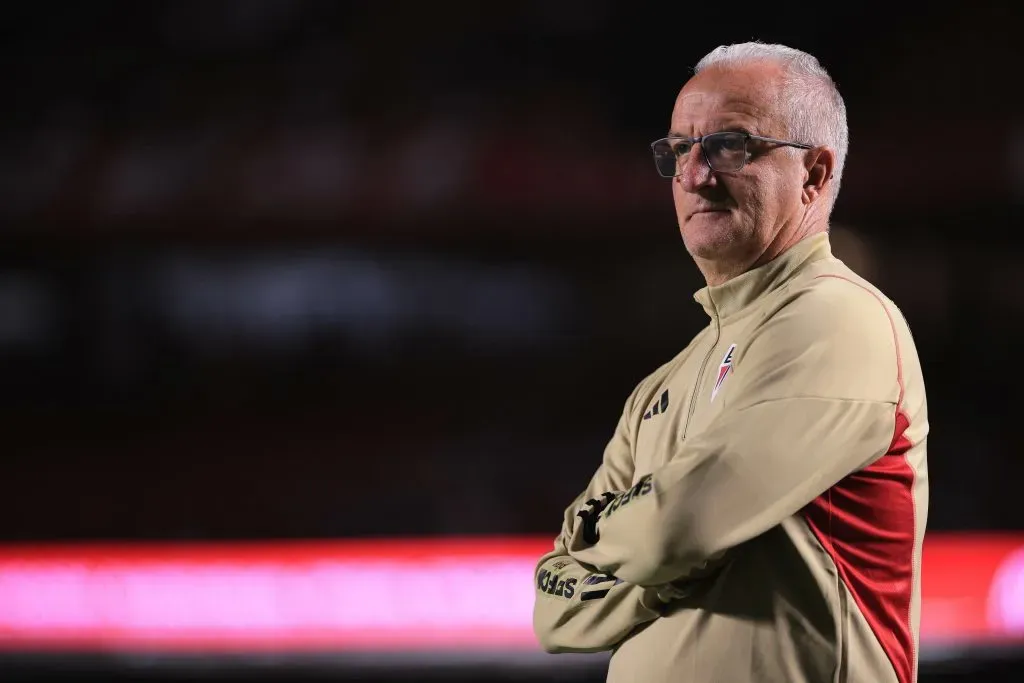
(732, 128)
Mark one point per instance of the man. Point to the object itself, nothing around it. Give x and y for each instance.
(759, 512)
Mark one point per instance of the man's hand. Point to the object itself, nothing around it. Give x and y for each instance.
(589, 514)
(658, 597)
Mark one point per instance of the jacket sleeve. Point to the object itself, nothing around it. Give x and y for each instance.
(812, 399)
(578, 609)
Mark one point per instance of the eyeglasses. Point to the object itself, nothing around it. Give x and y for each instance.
(725, 152)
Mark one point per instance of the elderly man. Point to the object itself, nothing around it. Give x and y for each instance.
(759, 512)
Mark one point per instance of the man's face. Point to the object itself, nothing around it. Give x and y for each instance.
(735, 215)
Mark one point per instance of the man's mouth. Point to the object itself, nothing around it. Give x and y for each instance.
(709, 210)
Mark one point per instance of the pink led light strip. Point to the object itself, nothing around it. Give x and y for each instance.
(393, 595)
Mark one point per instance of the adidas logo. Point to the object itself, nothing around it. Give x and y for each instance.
(659, 407)
(595, 579)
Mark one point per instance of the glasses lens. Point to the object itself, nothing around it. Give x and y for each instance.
(668, 153)
(664, 158)
(726, 152)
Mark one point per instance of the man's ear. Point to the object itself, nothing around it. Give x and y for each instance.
(820, 163)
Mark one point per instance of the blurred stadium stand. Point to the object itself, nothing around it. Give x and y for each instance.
(278, 270)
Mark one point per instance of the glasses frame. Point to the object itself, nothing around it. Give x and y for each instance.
(698, 140)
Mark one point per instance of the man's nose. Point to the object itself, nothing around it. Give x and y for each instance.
(694, 170)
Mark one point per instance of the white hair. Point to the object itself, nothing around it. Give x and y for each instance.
(816, 113)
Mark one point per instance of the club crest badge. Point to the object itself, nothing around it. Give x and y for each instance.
(723, 371)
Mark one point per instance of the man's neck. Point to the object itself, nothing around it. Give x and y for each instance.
(719, 272)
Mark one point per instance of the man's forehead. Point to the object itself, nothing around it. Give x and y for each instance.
(704, 102)
(713, 113)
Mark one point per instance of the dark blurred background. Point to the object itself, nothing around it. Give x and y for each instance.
(320, 269)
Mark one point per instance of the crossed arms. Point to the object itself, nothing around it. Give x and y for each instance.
(813, 398)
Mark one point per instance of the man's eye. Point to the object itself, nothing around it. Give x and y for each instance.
(730, 143)
(681, 148)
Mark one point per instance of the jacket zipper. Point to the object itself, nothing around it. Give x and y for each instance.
(700, 376)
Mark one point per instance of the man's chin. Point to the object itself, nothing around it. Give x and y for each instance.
(713, 243)
(708, 238)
